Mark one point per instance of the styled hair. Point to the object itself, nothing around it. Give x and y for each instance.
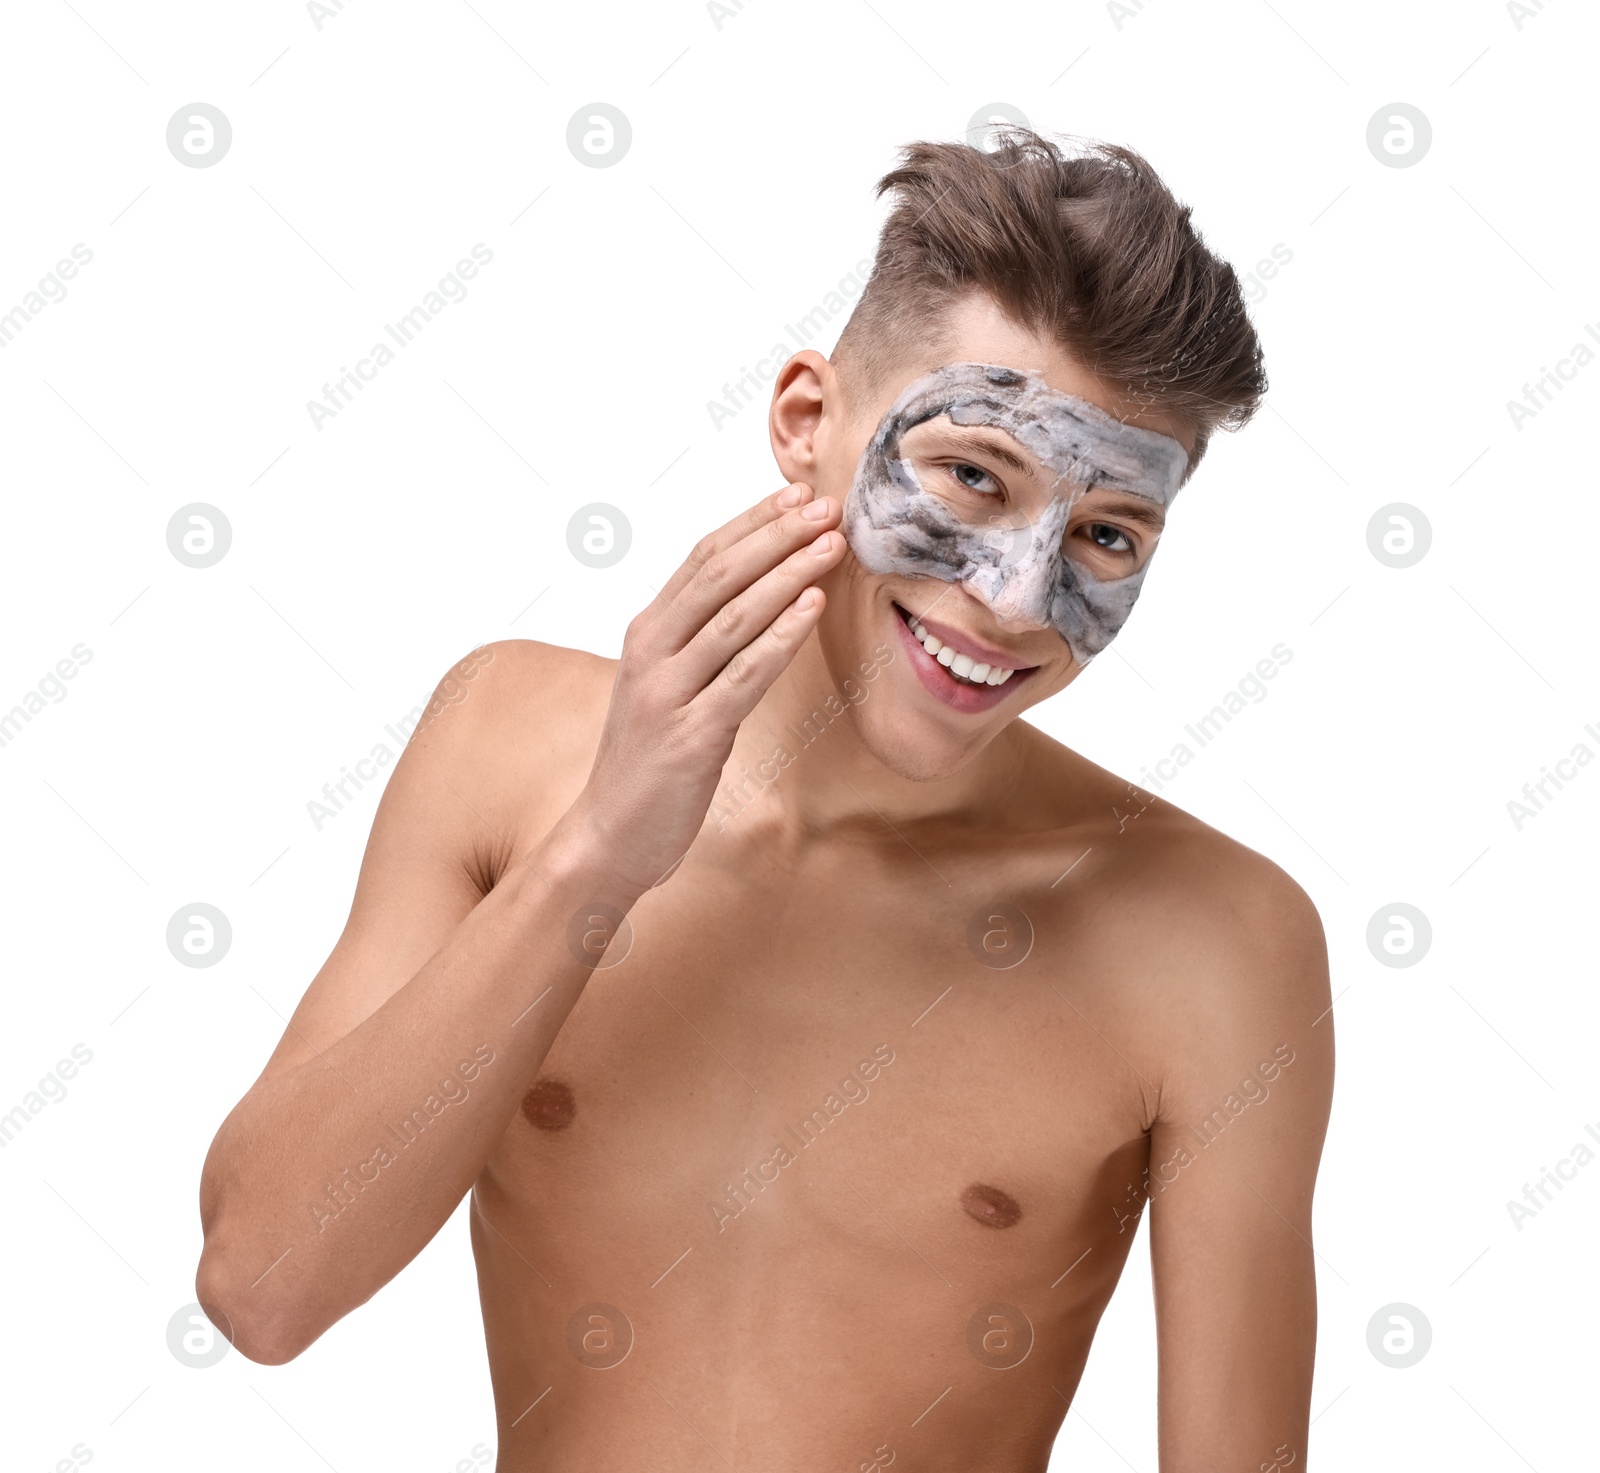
(1084, 245)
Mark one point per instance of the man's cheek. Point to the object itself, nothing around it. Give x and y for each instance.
(1090, 612)
(896, 529)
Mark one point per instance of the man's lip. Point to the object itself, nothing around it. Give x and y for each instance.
(941, 683)
(964, 644)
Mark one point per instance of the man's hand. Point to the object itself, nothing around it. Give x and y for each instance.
(694, 665)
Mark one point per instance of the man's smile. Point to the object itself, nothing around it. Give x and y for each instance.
(957, 668)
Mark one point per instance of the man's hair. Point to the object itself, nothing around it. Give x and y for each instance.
(1088, 247)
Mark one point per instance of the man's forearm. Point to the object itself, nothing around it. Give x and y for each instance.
(328, 1178)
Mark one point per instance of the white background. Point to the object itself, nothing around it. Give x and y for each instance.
(368, 156)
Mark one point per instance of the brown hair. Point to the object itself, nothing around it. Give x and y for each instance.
(1088, 247)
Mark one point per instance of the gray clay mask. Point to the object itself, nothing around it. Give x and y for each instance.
(894, 525)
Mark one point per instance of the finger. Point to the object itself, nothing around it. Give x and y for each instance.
(741, 619)
(751, 519)
(749, 675)
(729, 573)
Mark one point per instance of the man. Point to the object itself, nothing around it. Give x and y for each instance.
(809, 1030)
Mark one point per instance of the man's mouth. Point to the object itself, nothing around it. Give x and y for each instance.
(960, 670)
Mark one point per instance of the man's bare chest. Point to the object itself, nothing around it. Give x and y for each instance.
(795, 1069)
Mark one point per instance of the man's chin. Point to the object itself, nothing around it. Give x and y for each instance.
(908, 748)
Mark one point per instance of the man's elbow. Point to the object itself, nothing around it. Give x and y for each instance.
(263, 1327)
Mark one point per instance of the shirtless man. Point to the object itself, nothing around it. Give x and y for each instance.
(809, 1031)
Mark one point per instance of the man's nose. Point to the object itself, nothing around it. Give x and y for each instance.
(1019, 594)
(1024, 568)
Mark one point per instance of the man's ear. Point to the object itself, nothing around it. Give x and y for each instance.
(806, 388)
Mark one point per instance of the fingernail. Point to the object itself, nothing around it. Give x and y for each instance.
(791, 496)
(816, 511)
(823, 546)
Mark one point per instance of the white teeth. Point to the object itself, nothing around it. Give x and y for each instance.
(964, 667)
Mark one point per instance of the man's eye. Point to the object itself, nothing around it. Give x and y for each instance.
(1113, 539)
(974, 478)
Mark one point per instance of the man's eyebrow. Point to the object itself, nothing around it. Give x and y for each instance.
(1132, 510)
(967, 442)
(975, 441)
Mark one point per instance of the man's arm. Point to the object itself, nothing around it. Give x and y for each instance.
(1244, 1106)
(322, 1183)
(414, 1045)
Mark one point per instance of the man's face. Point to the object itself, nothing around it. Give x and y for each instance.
(1001, 516)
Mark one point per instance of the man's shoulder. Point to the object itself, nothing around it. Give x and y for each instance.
(1235, 949)
(508, 681)
(1199, 951)
(1197, 875)
(1196, 899)
(512, 728)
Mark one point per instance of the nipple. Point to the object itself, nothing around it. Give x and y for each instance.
(990, 1206)
(549, 1105)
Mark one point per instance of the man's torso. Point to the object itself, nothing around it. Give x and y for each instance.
(837, 1159)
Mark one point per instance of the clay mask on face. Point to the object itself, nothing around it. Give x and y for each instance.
(894, 525)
